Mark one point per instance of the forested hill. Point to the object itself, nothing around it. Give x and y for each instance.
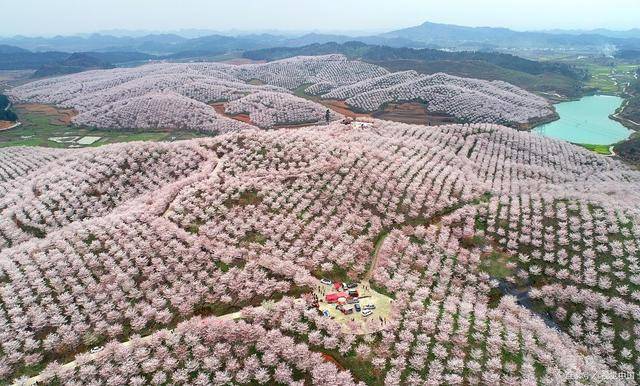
(357, 50)
(630, 149)
(549, 77)
(15, 58)
(6, 114)
(77, 62)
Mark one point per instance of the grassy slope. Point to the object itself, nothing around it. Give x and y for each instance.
(37, 128)
(599, 149)
(610, 79)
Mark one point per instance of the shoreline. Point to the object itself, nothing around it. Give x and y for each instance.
(529, 126)
(627, 123)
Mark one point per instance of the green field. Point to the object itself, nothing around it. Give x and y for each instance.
(610, 79)
(600, 149)
(37, 129)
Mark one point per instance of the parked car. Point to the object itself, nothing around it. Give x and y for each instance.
(350, 285)
(96, 349)
(353, 300)
(357, 307)
(366, 313)
(370, 307)
(326, 281)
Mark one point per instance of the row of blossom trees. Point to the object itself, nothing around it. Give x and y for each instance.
(269, 109)
(206, 351)
(470, 100)
(130, 239)
(174, 95)
(166, 110)
(90, 183)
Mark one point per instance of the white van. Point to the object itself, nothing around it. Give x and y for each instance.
(366, 312)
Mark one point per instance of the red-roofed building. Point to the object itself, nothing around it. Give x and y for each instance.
(332, 298)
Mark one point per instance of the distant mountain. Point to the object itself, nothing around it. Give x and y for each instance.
(47, 63)
(77, 62)
(448, 35)
(628, 34)
(7, 49)
(160, 43)
(426, 35)
(227, 43)
(359, 50)
(315, 38)
(15, 58)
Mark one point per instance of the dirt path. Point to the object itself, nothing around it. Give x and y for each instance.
(375, 258)
(56, 115)
(6, 125)
(219, 108)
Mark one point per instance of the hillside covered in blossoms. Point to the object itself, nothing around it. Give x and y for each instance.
(176, 95)
(481, 254)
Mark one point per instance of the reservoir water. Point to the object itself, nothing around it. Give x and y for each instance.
(587, 121)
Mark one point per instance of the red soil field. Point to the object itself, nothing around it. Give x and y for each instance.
(219, 107)
(6, 124)
(341, 107)
(59, 116)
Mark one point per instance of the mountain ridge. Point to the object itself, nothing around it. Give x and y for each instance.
(427, 34)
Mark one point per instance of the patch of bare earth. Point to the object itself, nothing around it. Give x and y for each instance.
(413, 113)
(219, 108)
(58, 116)
(342, 107)
(6, 124)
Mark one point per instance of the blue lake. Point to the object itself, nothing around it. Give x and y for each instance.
(587, 121)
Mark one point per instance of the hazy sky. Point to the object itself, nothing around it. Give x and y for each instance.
(48, 17)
